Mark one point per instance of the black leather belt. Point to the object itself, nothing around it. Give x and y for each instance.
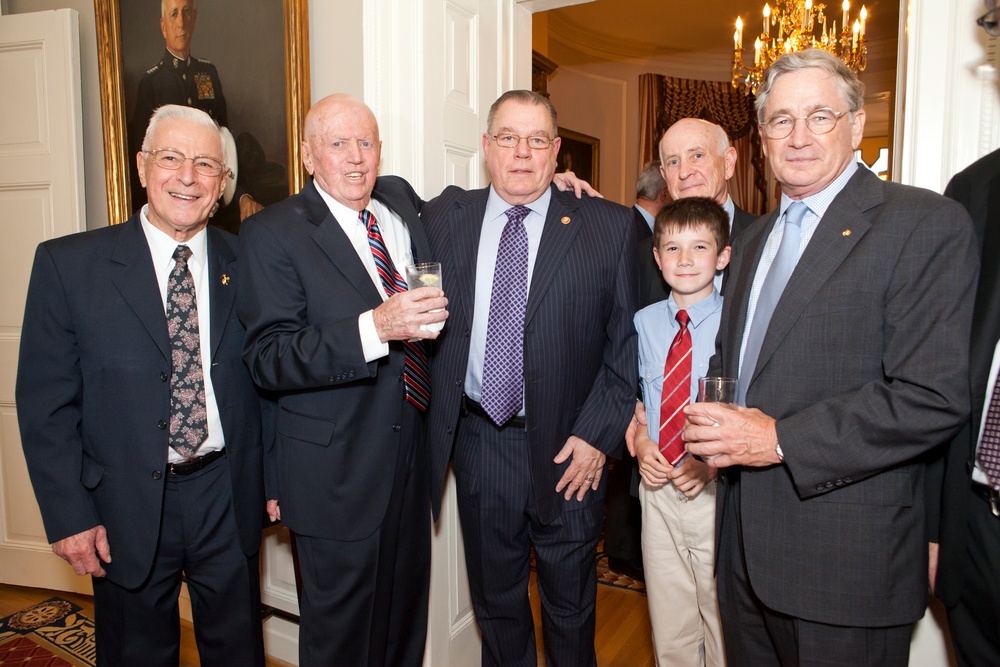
(470, 407)
(989, 495)
(194, 465)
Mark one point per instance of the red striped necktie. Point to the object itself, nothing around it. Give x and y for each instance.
(676, 393)
(415, 376)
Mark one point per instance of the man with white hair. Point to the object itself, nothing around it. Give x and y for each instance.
(141, 426)
(696, 160)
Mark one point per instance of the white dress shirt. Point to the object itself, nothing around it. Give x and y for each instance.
(161, 249)
(397, 242)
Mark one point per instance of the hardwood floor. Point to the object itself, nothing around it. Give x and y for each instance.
(623, 637)
(623, 630)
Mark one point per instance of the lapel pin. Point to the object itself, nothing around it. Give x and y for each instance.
(225, 278)
(846, 232)
(565, 220)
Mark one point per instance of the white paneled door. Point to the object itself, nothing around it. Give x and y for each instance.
(41, 197)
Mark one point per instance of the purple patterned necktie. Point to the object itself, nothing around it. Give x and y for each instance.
(416, 379)
(188, 416)
(989, 442)
(503, 368)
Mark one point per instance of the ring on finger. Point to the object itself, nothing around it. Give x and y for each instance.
(589, 479)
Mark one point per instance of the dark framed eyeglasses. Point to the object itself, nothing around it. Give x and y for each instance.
(173, 159)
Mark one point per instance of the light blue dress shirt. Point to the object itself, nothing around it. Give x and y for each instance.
(817, 203)
(657, 325)
(494, 221)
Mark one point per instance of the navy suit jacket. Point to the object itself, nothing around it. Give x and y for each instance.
(642, 230)
(93, 392)
(580, 347)
(864, 368)
(340, 418)
(978, 189)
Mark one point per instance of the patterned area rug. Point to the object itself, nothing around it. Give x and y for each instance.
(54, 633)
(609, 578)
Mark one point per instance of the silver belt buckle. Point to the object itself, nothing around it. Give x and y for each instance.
(994, 502)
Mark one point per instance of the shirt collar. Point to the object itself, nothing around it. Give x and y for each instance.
(699, 311)
(496, 206)
(730, 208)
(162, 245)
(819, 202)
(341, 212)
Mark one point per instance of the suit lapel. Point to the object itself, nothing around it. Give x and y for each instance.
(332, 240)
(222, 292)
(135, 279)
(986, 318)
(419, 245)
(561, 227)
(740, 281)
(827, 250)
(466, 227)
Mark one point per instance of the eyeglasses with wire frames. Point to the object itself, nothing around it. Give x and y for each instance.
(539, 142)
(820, 121)
(988, 21)
(173, 159)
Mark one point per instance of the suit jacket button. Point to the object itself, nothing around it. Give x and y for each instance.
(157, 474)
(397, 428)
(164, 377)
(161, 424)
(820, 487)
(332, 380)
(449, 431)
(458, 383)
(351, 374)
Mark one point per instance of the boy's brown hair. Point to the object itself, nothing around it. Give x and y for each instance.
(693, 212)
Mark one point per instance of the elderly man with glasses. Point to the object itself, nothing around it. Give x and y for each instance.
(140, 424)
(847, 325)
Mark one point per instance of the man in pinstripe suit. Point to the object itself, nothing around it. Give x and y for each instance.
(531, 477)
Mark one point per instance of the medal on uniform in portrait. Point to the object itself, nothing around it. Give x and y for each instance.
(203, 81)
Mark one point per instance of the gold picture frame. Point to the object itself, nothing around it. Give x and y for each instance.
(109, 57)
(581, 154)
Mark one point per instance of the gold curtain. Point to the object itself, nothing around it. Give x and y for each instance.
(665, 100)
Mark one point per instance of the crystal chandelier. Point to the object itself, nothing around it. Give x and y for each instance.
(794, 25)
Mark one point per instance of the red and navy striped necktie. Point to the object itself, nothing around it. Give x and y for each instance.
(415, 376)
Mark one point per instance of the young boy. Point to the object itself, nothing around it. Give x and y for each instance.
(676, 341)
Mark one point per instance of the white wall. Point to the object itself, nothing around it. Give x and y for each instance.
(93, 137)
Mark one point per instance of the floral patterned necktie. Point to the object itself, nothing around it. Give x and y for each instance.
(188, 416)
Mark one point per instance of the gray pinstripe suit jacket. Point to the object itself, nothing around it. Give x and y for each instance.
(580, 350)
(865, 367)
